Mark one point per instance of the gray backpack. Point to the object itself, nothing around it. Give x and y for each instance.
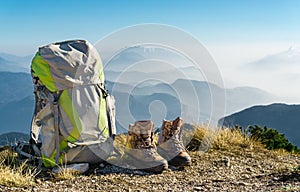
(74, 117)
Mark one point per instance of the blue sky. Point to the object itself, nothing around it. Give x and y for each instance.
(236, 32)
(28, 24)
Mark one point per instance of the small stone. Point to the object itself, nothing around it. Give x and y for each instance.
(259, 167)
(226, 161)
(39, 181)
(243, 183)
(256, 185)
(197, 188)
(276, 179)
(249, 169)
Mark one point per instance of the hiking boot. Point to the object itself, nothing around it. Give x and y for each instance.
(141, 148)
(170, 144)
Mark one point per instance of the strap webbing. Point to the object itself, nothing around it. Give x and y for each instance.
(56, 125)
(56, 128)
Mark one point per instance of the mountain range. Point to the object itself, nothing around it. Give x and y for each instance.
(12, 138)
(16, 108)
(157, 93)
(176, 99)
(282, 117)
(14, 86)
(13, 63)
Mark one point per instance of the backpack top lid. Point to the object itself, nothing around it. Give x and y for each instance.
(67, 64)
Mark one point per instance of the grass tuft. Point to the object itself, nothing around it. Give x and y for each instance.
(13, 172)
(66, 174)
(200, 138)
(228, 138)
(205, 138)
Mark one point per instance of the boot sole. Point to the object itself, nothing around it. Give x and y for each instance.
(179, 162)
(138, 165)
(157, 169)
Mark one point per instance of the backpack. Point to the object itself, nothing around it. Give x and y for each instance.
(74, 116)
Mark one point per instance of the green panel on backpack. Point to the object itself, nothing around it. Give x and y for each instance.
(102, 119)
(66, 103)
(41, 69)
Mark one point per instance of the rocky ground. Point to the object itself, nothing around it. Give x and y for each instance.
(239, 169)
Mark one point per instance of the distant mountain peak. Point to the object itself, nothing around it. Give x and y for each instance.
(295, 48)
(294, 51)
(276, 61)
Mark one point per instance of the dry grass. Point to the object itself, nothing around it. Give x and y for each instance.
(65, 174)
(227, 138)
(219, 143)
(120, 143)
(13, 172)
(200, 138)
(205, 138)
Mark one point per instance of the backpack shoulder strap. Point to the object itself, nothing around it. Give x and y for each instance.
(110, 110)
(41, 95)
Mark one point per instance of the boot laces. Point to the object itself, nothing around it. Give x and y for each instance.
(150, 152)
(178, 145)
(174, 136)
(148, 148)
(145, 141)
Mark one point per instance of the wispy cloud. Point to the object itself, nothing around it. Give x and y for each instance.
(285, 60)
(278, 73)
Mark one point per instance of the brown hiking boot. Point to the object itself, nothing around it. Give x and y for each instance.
(141, 148)
(170, 144)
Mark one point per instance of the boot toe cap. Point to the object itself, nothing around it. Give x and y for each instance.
(182, 159)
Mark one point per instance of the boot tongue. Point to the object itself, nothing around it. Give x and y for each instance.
(145, 133)
(146, 140)
(145, 127)
(172, 129)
